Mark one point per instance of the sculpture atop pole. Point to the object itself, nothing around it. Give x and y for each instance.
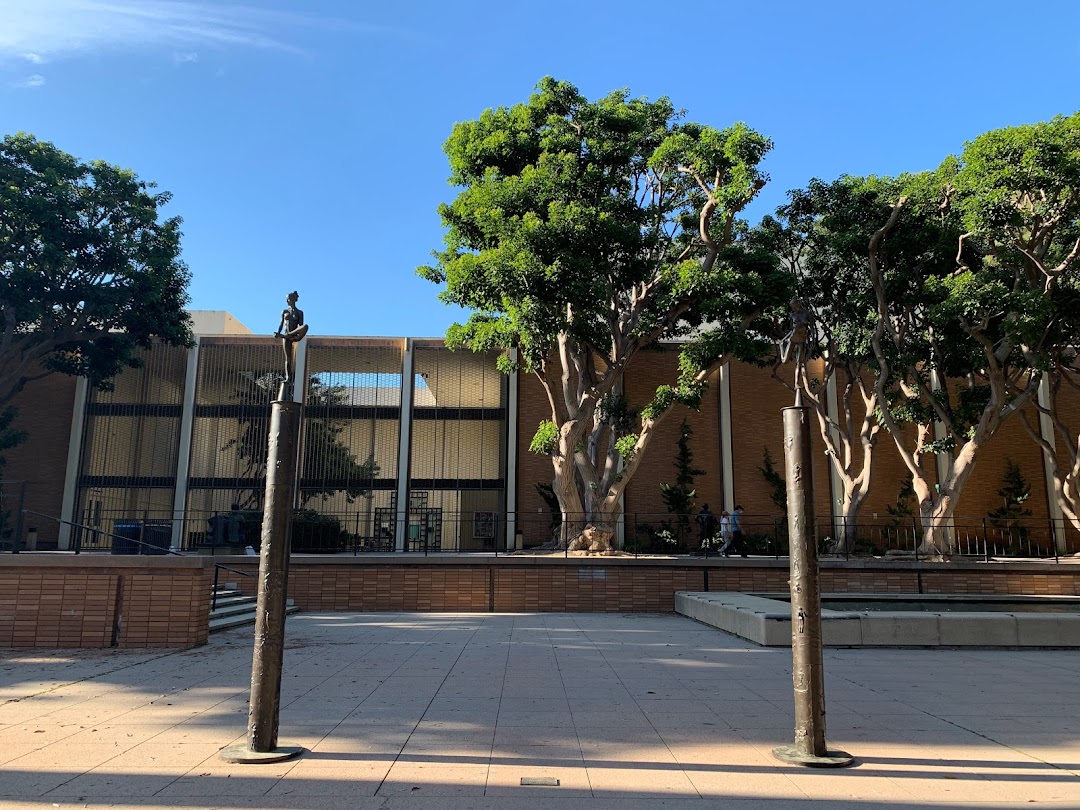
(795, 344)
(291, 330)
(284, 438)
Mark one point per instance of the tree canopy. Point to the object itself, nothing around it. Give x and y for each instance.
(88, 271)
(586, 231)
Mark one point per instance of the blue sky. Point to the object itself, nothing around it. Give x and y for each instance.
(302, 139)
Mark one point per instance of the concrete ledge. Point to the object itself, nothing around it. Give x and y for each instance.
(768, 622)
(898, 629)
(139, 562)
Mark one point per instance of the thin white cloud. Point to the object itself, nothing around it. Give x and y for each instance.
(30, 82)
(34, 58)
(185, 57)
(42, 29)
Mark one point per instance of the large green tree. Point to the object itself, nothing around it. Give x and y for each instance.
(1022, 206)
(89, 273)
(821, 236)
(1007, 207)
(585, 232)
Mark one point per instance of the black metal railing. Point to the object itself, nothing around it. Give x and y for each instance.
(435, 531)
(218, 568)
(116, 540)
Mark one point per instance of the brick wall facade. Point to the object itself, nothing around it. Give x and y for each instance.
(45, 414)
(73, 602)
(757, 399)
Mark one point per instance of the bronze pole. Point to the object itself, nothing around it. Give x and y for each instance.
(266, 663)
(807, 667)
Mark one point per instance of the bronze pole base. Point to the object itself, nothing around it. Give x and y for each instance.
(242, 753)
(832, 759)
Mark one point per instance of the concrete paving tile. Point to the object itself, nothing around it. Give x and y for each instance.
(153, 754)
(128, 734)
(61, 756)
(333, 744)
(204, 734)
(467, 750)
(640, 782)
(685, 721)
(770, 787)
(463, 704)
(433, 779)
(627, 717)
(13, 750)
(345, 779)
(535, 735)
(751, 722)
(486, 716)
(134, 782)
(225, 779)
(651, 706)
(463, 687)
(26, 784)
(505, 781)
(895, 725)
(730, 756)
(849, 784)
(536, 754)
(42, 734)
(553, 719)
(952, 786)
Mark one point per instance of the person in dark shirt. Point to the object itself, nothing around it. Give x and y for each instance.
(706, 522)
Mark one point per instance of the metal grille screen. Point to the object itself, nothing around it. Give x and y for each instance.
(236, 382)
(131, 441)
(351, 424)
(458, 447)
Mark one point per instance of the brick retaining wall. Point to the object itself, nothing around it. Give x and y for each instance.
(622, 585)
(73, 601)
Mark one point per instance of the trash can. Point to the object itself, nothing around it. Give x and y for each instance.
(156, 537)
(126, 535)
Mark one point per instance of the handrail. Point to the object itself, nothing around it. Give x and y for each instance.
(235, 571)
(163, 549)
(213, 597)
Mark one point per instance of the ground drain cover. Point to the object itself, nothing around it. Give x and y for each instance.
(540, 781)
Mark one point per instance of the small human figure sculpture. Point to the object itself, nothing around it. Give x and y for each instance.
(794, 344)
(291, 330)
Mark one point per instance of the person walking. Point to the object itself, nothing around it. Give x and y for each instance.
(738, 540)
(725, 531)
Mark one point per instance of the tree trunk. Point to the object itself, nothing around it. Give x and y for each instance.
(570, 502)
(849, 515)
(598, 534)
(935, 517)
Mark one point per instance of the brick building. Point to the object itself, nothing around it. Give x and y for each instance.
(177, 444)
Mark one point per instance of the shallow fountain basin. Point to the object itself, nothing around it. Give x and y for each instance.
(896, 620)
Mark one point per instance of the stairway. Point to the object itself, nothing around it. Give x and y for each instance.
(234, 609)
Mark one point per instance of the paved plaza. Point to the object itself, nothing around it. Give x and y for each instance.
(453, 710)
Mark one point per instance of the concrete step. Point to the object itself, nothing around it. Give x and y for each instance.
(233, 599)
(245, 606)
(240, 619)
(234, 609)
